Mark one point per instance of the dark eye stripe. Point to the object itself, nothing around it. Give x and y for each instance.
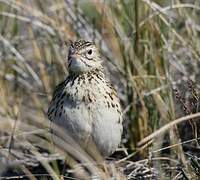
(88, 44)
(85, 63)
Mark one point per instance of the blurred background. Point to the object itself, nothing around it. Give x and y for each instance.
(151, 52)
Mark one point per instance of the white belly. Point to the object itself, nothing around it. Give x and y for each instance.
(107, 130)
(94, 120)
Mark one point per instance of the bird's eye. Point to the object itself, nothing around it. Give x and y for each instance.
(90, 52)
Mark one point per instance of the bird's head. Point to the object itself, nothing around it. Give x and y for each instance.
(83, 56)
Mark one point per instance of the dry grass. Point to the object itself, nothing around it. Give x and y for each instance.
(149, 49)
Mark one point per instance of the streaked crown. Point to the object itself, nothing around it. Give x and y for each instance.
(80, 44)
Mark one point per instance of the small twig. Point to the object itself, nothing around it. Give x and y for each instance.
(167, 127)
(174, 145)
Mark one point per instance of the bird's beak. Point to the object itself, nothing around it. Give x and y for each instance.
(74, 56)
(73, 59)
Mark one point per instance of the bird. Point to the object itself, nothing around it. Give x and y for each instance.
(85, 104)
